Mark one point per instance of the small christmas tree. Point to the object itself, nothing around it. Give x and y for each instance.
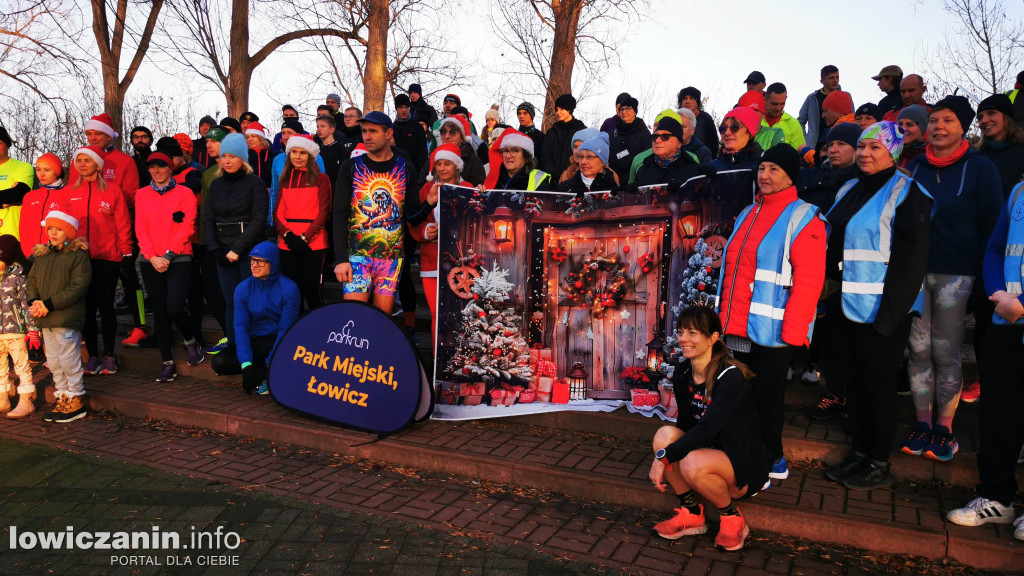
(490, 345)
(700, 286)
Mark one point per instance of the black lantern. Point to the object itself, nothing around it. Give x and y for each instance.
(577, 376)
(655, 353)
(503, 226)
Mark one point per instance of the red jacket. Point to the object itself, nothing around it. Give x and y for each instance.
(806, 256)
(303, 209)
(154, 220)
(120, 170)
(36, 205)
(103, 219)
(428, 250)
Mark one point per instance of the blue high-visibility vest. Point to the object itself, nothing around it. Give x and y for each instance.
(1013, 254)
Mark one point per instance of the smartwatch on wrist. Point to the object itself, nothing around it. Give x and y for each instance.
(169, 255)
(660, 455)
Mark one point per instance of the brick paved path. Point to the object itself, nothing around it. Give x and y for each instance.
(303, 511)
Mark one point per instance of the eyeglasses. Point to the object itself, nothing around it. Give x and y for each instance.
(663, 137)
(450, 131)
(621, 108)
(511, 151)
(734, 128)
(258, 262)
(586, 157)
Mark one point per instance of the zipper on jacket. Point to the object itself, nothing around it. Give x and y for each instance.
(735, 272)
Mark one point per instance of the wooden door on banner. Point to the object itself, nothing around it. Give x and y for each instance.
(621, 332)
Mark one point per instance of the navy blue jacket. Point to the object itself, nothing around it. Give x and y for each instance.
(968, 198)
(264, 306)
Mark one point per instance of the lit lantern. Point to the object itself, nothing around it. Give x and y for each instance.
(689, 226)
(655, 353)
(503, 225)
(577, 376)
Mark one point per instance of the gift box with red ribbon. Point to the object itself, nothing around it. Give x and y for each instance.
(504, 395)
(472, 388)
(449, 396)
(545, 368)
(643, 398)
(527, 396)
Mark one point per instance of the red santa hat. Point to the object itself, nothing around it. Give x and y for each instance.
(358, 151)
(305, 142)
(93, 152)
(510, 138)
(459, 122)
(449, 152)
(257, 129)
(102, 123)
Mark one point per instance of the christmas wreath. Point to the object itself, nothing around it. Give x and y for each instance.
(580, 285)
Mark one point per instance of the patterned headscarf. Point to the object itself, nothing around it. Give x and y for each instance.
(888, 133)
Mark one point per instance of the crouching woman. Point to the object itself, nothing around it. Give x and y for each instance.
(715, 449)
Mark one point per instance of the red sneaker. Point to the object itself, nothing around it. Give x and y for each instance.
(732, 533)
(971, 393)
(133, 339)
(684, 523)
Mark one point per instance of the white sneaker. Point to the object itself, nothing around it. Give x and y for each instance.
(982, 511)
(1018, 532)
(810, 377)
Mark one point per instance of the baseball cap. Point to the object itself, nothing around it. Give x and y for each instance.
(377, 117)
(754, 77)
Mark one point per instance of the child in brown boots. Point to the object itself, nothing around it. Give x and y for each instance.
(15, 325)
(60, 276)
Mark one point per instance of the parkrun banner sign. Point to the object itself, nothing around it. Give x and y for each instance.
(349, 363)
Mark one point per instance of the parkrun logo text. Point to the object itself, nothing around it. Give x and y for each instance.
(347, 339)
(155, 539)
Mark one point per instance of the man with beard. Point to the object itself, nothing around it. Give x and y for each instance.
(142, 142)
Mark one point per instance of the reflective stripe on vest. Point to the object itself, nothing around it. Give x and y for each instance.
(1013, 254)
(536, 179)
(774, 276)
(867, 248)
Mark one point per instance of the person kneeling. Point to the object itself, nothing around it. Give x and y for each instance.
(266, 306)
(715, 449)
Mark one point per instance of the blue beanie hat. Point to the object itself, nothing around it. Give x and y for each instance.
(584, 135)
(235, 145)
(598, 145)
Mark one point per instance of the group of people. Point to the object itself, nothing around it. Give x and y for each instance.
(881, 223)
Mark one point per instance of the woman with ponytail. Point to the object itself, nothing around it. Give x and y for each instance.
(715, 448)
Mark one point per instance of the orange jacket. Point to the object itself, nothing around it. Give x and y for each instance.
(155, 224)
(102, 219)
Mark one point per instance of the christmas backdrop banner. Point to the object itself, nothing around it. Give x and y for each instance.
(552, 301)
(349, 364)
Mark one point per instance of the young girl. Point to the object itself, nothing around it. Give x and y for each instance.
(15, 324)
(303, 206)
(715, 448)
(445, 168)
(39, 202)
(56, 287)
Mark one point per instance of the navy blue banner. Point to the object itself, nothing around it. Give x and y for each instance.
(349, 363)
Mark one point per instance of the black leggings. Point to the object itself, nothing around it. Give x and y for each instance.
(406, 283)
(199, 301)
(1002, 428)
(167, 294)
(101, 297)
(770, 367)
(227, 361)
(867, 365)
(305, 269)
(130, 282)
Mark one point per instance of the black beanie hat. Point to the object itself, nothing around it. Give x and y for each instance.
(207, 120)
(871, 109)
(5, 137)
(402, 100)
(566, 102)
(959, 106)
(688, 91)
(231, 123)
(782, 154)
(168, 145)
(672, 126)
(249, 116)
(415, 88)
(141, 129)
(294, 125)
(10, 249)
(631, 103)
(460, 110)
(999, 103)
(526, 106)
(844, 132)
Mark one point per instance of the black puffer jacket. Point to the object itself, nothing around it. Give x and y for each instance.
(605, 180)
(675, 174)
(747, 158)
(627, 141)
(409, 136)
(707, 132)
(554, 159)
(232, 199)
(819, 185)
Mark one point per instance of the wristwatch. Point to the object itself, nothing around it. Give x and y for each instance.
(660, 455)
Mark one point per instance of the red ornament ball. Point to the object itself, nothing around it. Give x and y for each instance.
(481, 314)
(578, 284)
(625, 249)
(701, 286)
(497, 352)
(476, 296)
(465, 371)
(708, 270)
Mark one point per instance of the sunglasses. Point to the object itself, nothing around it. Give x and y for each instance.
(450, 131)
(734, 128)
(662, 137)
(258, 262)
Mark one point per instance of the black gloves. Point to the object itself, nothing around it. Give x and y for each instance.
(252, 377)
(178, 216)
(294, 243)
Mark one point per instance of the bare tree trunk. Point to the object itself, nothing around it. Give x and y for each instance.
(239, 62)
(563, 54)
(375, 77)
